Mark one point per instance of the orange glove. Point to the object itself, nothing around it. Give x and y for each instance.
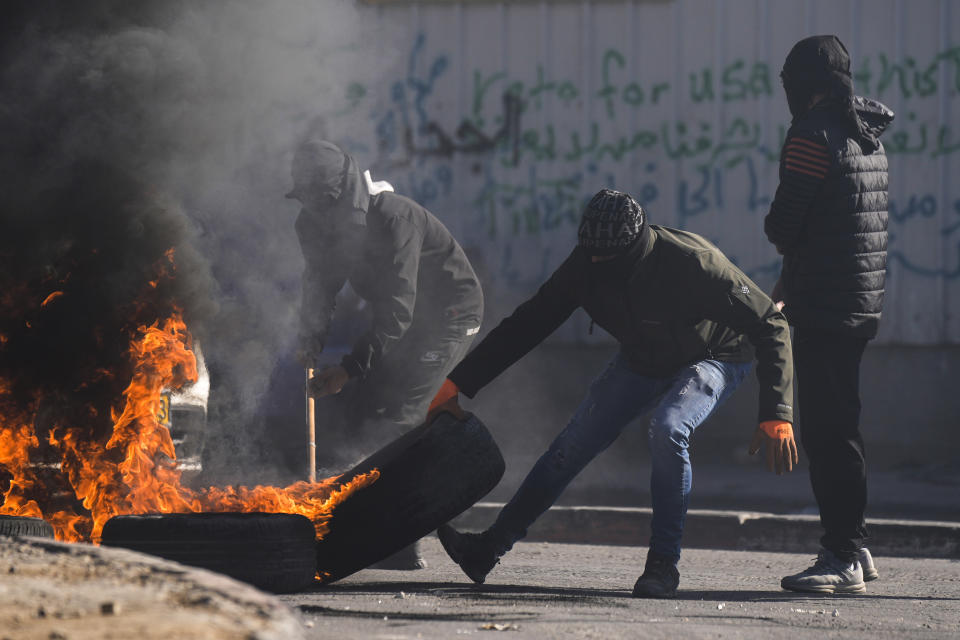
(446, 400)
(777, 429)
(448, 391)
(781, 447)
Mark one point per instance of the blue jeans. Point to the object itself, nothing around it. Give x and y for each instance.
(677, 406)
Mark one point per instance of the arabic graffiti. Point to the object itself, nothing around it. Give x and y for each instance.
(909, 79)
(408, 128)
(920, 208)
(419, 137)
(914, 138)
(532, 158)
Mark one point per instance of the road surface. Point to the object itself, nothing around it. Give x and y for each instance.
(582, 591)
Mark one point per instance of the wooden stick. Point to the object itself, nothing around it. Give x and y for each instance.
(311, 431)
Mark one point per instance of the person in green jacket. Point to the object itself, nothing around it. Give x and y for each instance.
(685, 318)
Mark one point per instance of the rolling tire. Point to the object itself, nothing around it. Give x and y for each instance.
(23, 526)
(428, 476)
(272, 551)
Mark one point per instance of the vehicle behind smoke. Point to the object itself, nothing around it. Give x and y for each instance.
(184, 413)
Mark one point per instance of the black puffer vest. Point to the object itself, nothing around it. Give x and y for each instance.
(834, 278)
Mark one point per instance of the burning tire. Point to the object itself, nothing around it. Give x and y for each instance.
(21, 526)
(427, 477)
(273, 551)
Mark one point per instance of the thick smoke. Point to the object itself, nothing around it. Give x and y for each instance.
(133, 128)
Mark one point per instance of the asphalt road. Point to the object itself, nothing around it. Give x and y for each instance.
(545, 590)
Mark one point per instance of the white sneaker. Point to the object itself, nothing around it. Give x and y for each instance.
(828, 574)
(866, 561)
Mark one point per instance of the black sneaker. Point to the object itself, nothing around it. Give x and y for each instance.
(474, 552)
(660, 578)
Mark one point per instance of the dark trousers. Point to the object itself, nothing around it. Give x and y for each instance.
(828, 378)
(393, 398)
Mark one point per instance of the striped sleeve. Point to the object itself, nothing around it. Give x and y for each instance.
(804, 164)
(807, 157)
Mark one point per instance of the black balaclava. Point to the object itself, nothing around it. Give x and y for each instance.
(821, 65)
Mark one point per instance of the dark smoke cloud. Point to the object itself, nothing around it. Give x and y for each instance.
(83, 211)
(130, 128)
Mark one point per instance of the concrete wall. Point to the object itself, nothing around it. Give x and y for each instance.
(504, 117)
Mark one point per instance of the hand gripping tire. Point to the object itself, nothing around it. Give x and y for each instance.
(272, 551)
(428, 476)
(22, 526)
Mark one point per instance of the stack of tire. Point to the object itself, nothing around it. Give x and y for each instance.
(22, 526)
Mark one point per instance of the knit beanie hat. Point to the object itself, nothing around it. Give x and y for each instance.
(611, 223)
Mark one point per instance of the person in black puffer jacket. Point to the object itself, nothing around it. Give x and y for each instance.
(829, 220)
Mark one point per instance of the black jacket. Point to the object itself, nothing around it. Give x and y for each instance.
(400, 259)
(674, 300)
(829, 219)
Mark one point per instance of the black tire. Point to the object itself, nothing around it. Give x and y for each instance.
(22, 526)
(428, 476)
(272, 551)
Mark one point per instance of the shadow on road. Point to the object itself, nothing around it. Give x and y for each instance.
(406, 615)
(777, 596)
(544, 594)
(530, 593)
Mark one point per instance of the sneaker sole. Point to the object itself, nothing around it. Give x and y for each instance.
(827, 588)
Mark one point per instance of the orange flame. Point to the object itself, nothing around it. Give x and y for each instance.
(17, 438)
(50, 298)
(132, 473)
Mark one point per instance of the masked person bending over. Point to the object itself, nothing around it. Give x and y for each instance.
(683, 315)
(425, 298)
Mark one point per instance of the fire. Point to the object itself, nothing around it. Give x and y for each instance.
(17, 438)
(50, 298)
(130, 470)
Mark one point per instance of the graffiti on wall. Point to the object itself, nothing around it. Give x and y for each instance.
(535, 148)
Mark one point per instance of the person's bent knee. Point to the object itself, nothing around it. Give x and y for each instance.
(667, 432)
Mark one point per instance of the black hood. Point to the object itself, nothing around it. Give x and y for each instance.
(326, 177)
(875, 116)
(820, 65)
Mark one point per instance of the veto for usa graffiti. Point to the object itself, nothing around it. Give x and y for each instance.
(534, 157)
(498, 105)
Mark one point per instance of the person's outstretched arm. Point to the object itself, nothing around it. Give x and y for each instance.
(516, 335)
